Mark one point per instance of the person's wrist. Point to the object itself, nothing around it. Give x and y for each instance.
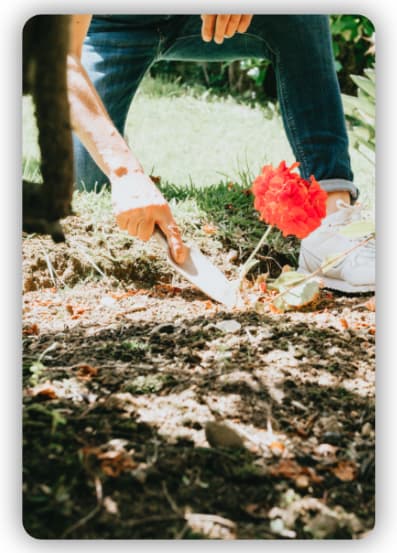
(133, 190)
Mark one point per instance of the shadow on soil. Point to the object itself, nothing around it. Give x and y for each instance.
(115, 443)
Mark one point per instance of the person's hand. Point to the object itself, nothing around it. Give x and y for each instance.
(219, 27)
(138, 206)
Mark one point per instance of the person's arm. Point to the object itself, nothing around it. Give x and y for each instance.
(137, 203)
(219, 27)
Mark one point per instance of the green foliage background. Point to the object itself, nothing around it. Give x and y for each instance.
(253, 79)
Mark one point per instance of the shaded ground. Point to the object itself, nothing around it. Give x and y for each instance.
(124, 374)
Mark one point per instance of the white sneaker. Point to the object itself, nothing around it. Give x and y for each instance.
(356, 271)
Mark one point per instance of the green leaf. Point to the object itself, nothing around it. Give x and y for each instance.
(365, 84)
(367, 105)
(287, 279)
(358, 229)
(370, 73)
(298, 296)
(295, 289)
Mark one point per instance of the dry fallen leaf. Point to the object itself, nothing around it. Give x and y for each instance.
(32, 329)
(168, 289)
(45, 390)
(126, 294)
(256, 511)
(345, 470)
(371, 304)
(210, 229)
(85, 372)
(112, 461)
(277, 448)
(288, 468)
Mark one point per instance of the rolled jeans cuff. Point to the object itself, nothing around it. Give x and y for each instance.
(340, 185)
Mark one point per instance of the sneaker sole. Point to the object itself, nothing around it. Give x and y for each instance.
(341, 285)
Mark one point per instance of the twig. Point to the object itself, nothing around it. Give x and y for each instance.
(335, 260)
(154, 518)
(88, 258)
(50, 268)
(247, 265)
(188, 517)
(172, 503)
(192, 517)
(91, 514)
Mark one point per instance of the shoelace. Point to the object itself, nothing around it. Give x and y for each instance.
(348, 214)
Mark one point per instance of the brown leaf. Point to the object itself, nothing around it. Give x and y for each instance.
(155, 179)
(85, 372)
(167, 289)
(288, 468)
(371, 304)
(277, 448)
(112, 461)
(256, 510)
(115, 462)
(210, 229)
(45, 390)
(32, 329)
(126, 294)
(345, 471)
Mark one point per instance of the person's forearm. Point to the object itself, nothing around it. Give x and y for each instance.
(93, 126)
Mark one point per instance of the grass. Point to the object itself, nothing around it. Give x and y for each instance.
(206, 151)
(189, 136)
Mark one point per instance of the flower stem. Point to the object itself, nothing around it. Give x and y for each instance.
(248, 264)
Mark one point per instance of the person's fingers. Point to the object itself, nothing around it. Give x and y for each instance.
(232, 25)
(134, 223)
(220, 27)
(145, 229)
(244, 23)
(122, 220)
(208, 27)
(178, 250)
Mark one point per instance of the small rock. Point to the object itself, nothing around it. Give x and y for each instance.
(333, 438)
(110, 506)
(322, 526)
(221, 435)
(228, 326)
(302, 481)
(326, 451)
(108, 301)
(164, 328)
(366, 429)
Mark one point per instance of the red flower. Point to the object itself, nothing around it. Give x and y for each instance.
(285, 200)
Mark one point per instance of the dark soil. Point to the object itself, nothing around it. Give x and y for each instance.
(123, 374)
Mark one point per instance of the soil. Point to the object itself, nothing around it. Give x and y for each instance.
(147, 416)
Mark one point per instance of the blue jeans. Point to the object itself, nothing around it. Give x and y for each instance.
(119, 49)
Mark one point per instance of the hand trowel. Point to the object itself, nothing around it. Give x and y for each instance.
(199, 270)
